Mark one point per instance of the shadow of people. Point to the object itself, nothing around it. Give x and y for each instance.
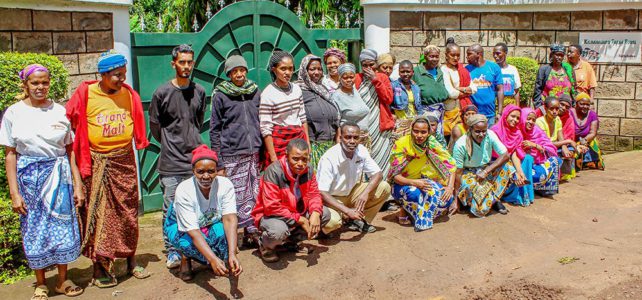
(202, 274)
(310, 253)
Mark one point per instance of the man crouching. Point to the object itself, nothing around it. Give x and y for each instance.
(289, 208)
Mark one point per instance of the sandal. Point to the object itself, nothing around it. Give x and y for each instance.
(104, 282)
(41, 293)
(69, 289)
(139, 272)
(404, 220)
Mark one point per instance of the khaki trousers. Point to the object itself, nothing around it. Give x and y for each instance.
(370, 210)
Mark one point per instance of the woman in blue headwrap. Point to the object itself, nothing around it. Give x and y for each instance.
(45, 188)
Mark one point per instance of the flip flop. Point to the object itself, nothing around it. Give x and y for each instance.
(404, 220)
(69, 289)
(104, 282)
(41, 293)
(139, 272)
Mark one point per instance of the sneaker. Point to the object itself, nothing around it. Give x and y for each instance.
(500, 208)
(173, 260)
(361, 226)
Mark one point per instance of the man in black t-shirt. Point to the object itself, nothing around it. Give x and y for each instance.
(175, 118)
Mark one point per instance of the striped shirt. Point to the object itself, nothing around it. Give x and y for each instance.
(279, 108)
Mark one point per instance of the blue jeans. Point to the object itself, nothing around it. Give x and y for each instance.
(491, 121)
(168, 184)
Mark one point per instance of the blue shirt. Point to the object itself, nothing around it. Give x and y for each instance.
(486, 78)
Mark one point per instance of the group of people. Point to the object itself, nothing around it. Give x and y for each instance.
(293, 161)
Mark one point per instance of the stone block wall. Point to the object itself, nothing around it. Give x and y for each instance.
(619, 93)
(76, 38)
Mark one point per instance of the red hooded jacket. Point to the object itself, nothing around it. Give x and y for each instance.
(77, 115)
(276, 193)
(383, 87)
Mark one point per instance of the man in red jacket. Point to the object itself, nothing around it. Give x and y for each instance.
(289, 208)
(107, 117)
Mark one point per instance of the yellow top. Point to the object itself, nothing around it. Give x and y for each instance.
(552, 134)
(409, 112)
(109, 119)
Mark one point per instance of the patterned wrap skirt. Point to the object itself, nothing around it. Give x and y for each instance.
(109, 218)
(318, 149)
(544, 177)
(592, 159)
(423, 206)
(214, 237)
(281, 136)
(481, 196)
(244, 172)
(50, 232)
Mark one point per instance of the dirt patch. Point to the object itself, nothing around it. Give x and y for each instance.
(521, 289)
(631, 289)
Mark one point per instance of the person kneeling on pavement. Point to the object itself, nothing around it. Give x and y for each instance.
(340, 176)
(201, 223)
(289, 208)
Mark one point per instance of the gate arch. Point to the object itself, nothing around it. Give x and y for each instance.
(252, 29)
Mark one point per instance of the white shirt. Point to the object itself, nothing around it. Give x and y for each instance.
(34, 131)
(337, 174)
(194, 211)
(511, 80)
(451, 82)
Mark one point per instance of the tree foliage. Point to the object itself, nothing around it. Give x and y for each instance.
(163, 15)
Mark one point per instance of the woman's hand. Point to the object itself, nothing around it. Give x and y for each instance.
(18, 205)
(218, 266)
(521, 178)
(566, 153)
(234, 264)
(481, 175)
(422, 185)
(454, 207)
(528, 145)
(448, 193)
(79, 196)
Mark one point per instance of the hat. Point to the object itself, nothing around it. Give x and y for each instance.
(557, 48)
(233, 62)
(347, 67)
(565, 98)
(110, 60)
(385, 58)
(368, 54)
(474, 119)
(203, 152)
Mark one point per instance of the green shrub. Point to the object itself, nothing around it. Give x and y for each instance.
(527, 68)
(13, 265)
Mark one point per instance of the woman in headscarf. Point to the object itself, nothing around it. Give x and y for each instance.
(586, 125)
(458, 84)
(333, 58)
(321, 113)
(541, 159)
(480, 182)
(508, 130)
(376, 91)
(552, 125)
(45, 187)
(281, 111)
(423, 174)
(235, 135)
(462, 128)
(349, 103)
(385, 63)
(553, 79)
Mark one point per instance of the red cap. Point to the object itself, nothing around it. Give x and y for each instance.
(203, 152)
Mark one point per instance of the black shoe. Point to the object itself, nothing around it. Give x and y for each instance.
(499, 207)
(361, 226)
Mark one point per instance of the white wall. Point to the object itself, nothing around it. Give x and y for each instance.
(119, 9)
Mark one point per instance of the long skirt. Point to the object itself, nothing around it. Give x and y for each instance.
(481, 196)
(381, 141)
(318, 149)
(109, 219)
(451, 119)
(214, 237)
(244, 172)
(49, 230)
(592, 159)
(424, 207)
(281, 136)
(543, 177)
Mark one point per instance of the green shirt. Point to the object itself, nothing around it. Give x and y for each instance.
(433, 90)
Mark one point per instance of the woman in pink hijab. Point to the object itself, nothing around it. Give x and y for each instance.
(541, 158)
(508, 131)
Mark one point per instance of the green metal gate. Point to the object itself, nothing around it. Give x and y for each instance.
(252, 29)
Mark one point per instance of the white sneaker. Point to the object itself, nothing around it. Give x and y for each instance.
(173, 261)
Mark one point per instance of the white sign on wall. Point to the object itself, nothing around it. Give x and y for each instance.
(612, 47)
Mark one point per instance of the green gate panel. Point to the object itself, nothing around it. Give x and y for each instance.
(253, 29)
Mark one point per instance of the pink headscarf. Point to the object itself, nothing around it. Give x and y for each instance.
(537, 136)
(511, 137)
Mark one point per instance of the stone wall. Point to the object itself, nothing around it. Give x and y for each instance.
(619, 92)
(76, 38)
